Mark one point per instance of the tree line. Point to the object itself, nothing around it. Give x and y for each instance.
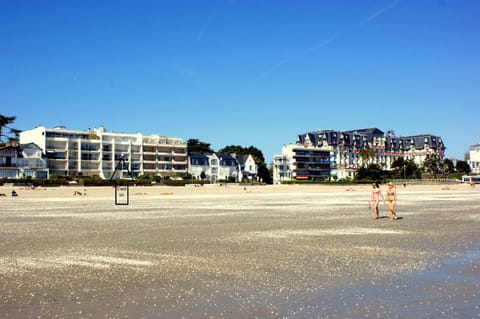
(401, 168)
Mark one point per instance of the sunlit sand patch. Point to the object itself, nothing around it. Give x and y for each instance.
(324, 232)
(65, 199)
(137, 215)
(11, 265)
(444, 196)
(410, 260)
(104, 260)
(474, 217)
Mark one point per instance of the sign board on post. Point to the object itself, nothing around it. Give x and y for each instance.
(121, 186)
(121, 192)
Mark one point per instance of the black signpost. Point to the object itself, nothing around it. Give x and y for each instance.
(122, 194)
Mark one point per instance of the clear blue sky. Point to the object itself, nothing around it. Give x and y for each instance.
(244, 72)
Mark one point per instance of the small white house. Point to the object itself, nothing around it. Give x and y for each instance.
(228, 168)
(199, 166)
(32, 162)
(9, 162)
(18, 161)
(248, 167)
(214, 167)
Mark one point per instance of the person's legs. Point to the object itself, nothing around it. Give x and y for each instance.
(391, 207)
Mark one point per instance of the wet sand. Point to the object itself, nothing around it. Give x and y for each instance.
(239, 252)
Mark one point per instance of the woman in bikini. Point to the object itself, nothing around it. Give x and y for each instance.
(376, 196)
(392, 200)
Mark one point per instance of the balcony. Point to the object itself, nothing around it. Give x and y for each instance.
(57, 149)
(149, 162)
(90, 148)
(58, 166)
(87, 166)
(281, 162)
(149, 150)
(107, 166)
(149, 166)
(90, 157)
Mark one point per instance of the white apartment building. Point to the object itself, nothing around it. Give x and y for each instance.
(474, 159)
(282, 169)
(302, 162)
(97, 152)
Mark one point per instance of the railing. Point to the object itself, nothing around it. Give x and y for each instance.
(425, 181)
(9, 165)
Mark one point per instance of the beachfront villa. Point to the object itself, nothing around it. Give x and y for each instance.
(330, 154)
(97, 152)
(22, 160)
(214, 167)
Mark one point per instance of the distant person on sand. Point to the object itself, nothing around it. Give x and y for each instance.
(392, 200)
(376, 196)
(14, 193)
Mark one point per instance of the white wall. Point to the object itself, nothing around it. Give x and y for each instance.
(36, 135)
(474, 160)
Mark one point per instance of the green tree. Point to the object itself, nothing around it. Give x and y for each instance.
(448, 166)
(373, 172)
(361, 174)
(405, 168)
(264, 174)
(4, 121)
(432, 164)
(237, 149)
(463, 167)
(256, 153)
(196, 146)
(367, 154)
(240, 150)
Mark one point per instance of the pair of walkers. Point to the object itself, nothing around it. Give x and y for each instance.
(377, 196)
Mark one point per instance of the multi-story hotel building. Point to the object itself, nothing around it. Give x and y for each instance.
(326, 154)
(97, 152)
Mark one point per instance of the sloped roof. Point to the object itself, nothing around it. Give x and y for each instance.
(227, 159)
(361, 137)
(198, 159)
(242, 159)
(372, 130)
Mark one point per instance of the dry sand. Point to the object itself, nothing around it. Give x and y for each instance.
(239, 252)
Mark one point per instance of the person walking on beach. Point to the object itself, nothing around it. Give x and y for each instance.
(392, 200)
(375, 199)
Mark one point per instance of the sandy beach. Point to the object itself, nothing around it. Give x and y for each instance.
(283, 251)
